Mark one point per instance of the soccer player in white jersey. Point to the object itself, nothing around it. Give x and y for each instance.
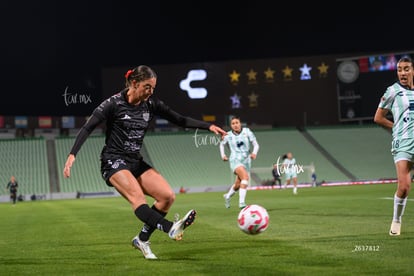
(239, 140)
(289, 166)
(398, 99)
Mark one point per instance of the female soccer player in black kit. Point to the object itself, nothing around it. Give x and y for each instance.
(12, 186)
(127, 115)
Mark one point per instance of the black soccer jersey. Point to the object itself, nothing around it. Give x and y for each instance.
(127, 124)
(12, 186)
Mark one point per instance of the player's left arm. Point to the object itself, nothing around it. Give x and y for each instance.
(255, 144)
(174, 117)
(253, 155)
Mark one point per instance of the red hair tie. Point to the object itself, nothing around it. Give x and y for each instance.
(128, 74)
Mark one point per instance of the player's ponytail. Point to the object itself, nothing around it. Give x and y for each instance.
(139, 74)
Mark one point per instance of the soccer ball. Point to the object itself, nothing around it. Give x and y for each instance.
(253, 219)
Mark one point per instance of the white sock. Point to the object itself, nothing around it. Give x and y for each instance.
(231, 192)
(399, 207)
(242, 195)
(295, 190)
(243, 191)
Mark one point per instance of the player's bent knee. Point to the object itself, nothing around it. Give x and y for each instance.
(403, 190)
(167, 199)
(171, 197)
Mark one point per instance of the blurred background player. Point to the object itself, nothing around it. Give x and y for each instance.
(239, 140)
(398, 99)
(12, 187)
(313, 176)
(276, 176)
(289, 165)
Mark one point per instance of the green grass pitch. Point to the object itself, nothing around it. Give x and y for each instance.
(321, 231)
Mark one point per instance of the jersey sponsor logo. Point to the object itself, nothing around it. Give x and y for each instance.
(411, 105)
(117, 163)
(126, 117)
(194, 92)
(146, 116)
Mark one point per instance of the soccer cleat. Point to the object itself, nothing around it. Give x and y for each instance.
(144, 246)
(177, 230)
(242, 205)
(395, 229)
(226, 201)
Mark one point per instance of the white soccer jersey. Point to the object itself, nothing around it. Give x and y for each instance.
(239, 144)
(289, 165)
(400, 101)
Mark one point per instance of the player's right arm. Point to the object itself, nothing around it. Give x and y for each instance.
(81, 137)
(98, 116)
(381, 118)
(384, 107)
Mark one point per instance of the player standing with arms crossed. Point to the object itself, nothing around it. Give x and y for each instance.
(399, 100)
(238, 140)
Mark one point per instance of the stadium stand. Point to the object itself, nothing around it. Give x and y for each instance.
(191, 158)
(26, 159)
(188, 159)
(275, 143)
(85, 173)
(363, 150)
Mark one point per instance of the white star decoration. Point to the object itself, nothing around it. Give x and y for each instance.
(235, 101)
(305, 75)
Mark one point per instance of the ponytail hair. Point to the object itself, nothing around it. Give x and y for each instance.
(140, 73)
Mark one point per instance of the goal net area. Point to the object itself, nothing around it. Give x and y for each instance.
(262, 176)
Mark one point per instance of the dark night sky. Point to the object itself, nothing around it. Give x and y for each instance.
(47, 42)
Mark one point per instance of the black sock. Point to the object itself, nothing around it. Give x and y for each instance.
(147, 230)
(152, 218)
